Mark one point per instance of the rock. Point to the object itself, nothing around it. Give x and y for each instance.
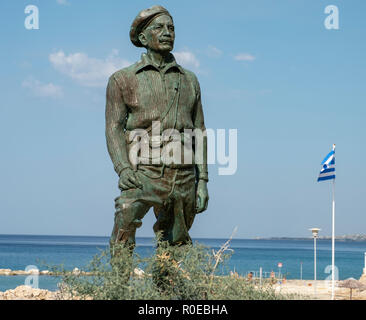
(20, 272)
(76, 271)
(33, 271)
(28, 293)
(139, 272)
(4, 271)
(9, 272)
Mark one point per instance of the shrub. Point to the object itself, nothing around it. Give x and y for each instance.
(186, 272)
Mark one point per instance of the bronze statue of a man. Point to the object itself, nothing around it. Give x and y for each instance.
(155, 90)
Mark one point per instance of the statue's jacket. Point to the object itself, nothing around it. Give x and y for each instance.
(143, 93)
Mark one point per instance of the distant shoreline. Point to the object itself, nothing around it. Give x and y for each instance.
(338, 238)
(356, 237)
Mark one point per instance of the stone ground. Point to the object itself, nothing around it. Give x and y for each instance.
(323, 290)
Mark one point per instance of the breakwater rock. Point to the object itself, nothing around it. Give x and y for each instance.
(9, 272)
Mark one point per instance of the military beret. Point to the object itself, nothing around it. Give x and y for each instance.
(142, 20)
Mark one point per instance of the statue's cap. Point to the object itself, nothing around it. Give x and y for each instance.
(142, 20)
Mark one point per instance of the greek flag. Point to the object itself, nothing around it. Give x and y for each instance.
(328, 167)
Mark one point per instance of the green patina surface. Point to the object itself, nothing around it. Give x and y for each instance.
(155, 88)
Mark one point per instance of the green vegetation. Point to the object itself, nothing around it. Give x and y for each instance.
(187, 272)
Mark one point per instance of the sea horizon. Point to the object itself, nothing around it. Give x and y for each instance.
(249, 255)
(320, 238)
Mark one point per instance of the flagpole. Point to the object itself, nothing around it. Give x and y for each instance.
(328, 172)
(333, 237)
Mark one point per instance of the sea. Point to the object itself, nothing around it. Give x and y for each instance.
(295, 257)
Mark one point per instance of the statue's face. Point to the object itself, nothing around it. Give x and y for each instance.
(159, 35)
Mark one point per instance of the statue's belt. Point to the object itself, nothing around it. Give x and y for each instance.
(157, 140)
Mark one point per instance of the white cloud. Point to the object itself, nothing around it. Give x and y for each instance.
(213, 52)
(87, 71)
(187, 59)
(63, 2)
(244, 57)
(40, 89)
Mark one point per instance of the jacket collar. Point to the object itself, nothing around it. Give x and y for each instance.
(146, 62)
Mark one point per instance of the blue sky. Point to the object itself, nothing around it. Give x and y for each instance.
(269, 69)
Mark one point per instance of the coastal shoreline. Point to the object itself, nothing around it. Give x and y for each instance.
(303, 289)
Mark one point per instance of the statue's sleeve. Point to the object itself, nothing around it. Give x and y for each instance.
(199, 123)
(116, 116)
